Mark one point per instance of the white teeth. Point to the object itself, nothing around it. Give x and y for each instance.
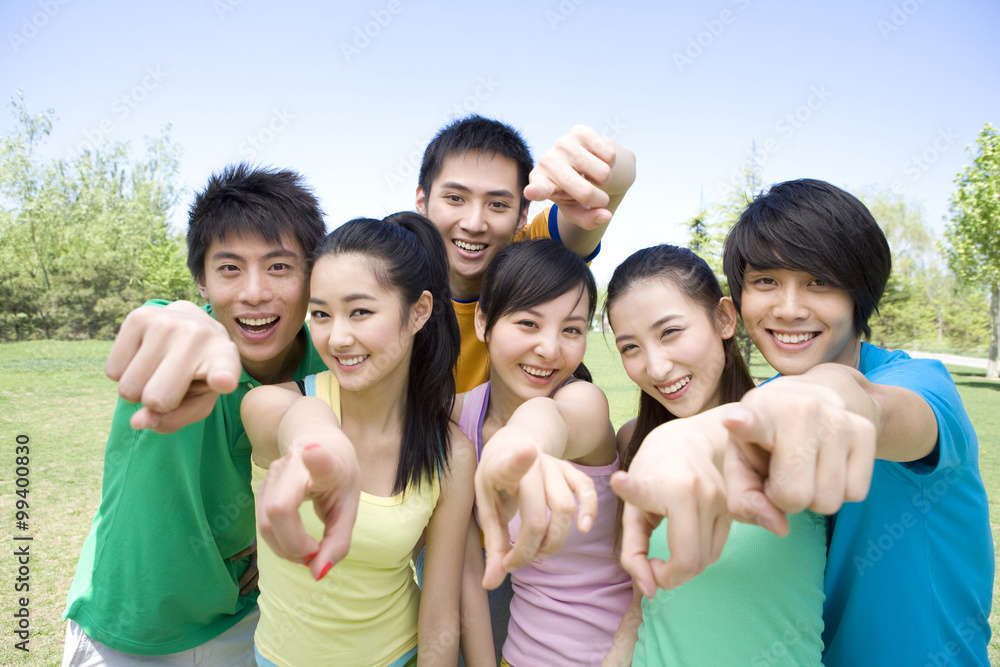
(256, 322)
(537, 372)
(471, 247)
(353, 361)
(794, 338)
(675, 386)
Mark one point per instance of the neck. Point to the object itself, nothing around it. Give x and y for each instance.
(464, 288)
(502, 404)
(380, 407)
(281, 368)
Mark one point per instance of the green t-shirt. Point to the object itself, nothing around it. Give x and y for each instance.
(155, 575)
(761, 603)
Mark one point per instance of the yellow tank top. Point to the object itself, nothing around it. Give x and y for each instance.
(364, 612)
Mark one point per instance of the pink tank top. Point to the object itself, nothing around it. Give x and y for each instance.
(567, 606)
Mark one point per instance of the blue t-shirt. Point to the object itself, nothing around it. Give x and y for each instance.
(909, 577)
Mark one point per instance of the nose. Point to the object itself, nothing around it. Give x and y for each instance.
(659, 365)
(256, 287)
(547, 345)
(790, 303)
(474, 220)
(341, 336)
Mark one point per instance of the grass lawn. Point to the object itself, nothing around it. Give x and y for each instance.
(56, 394)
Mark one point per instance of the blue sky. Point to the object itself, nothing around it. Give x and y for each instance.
(865, 94)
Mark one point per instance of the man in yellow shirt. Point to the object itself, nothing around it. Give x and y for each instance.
(476, 180)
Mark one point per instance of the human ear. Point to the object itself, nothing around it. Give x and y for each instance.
(421, 201)
(725, 318)
(202, 288)
(421, 311)
(480, 324)
(522, 220)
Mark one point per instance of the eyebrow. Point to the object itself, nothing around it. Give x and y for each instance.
(455, 185)
(347, 299)
(281, 252)
(535, 313)
(655, 325)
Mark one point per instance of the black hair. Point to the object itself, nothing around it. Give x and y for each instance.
(408, 257)
(812, 226)
(475, 134)
(250, 201)
(529, 273)
(693, 278)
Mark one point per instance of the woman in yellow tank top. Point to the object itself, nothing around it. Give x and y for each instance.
(371, 439)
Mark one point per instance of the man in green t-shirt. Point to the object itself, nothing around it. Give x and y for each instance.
(169, 566)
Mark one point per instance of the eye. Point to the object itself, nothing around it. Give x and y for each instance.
(454, 199)
(528, 324)
(575, 331)
(627, 347)
(360, 312)
(318, 315)
(499, 205)
(819, 282)
(280, 266)
(764, 280)
(229, 268)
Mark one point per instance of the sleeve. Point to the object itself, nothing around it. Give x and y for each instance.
(930, 380)
(545, 225)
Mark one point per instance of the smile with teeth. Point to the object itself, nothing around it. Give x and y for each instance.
(470, 247)
(256, 322)
(352, 361)
(675, 386)
(537, 372)
(794, 338)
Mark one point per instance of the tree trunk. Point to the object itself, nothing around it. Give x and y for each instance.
(991, 366)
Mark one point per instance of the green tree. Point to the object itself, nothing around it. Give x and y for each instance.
(85, 239)
(974, 231)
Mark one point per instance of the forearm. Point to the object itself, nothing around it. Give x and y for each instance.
(905, 425)
(307, 420)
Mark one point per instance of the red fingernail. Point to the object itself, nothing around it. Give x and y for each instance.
(311, 445)
(326, 568)
(309, 557)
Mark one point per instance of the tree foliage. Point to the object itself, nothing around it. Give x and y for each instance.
(84, 239)
(973, 235)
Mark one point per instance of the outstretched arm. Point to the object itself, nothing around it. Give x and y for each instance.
(522, 470)
(175, 360)
(811, 440)
(587, 176)
(676, 474)
(308, 458)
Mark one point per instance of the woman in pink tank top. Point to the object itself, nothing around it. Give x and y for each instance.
(546, 442)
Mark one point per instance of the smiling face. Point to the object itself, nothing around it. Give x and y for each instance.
(474, 203)
(798, 321)
(535, 350)
(257, 290)
(361, 330)
(670, 346)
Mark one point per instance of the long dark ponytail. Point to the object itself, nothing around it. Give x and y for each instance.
(410, 259)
